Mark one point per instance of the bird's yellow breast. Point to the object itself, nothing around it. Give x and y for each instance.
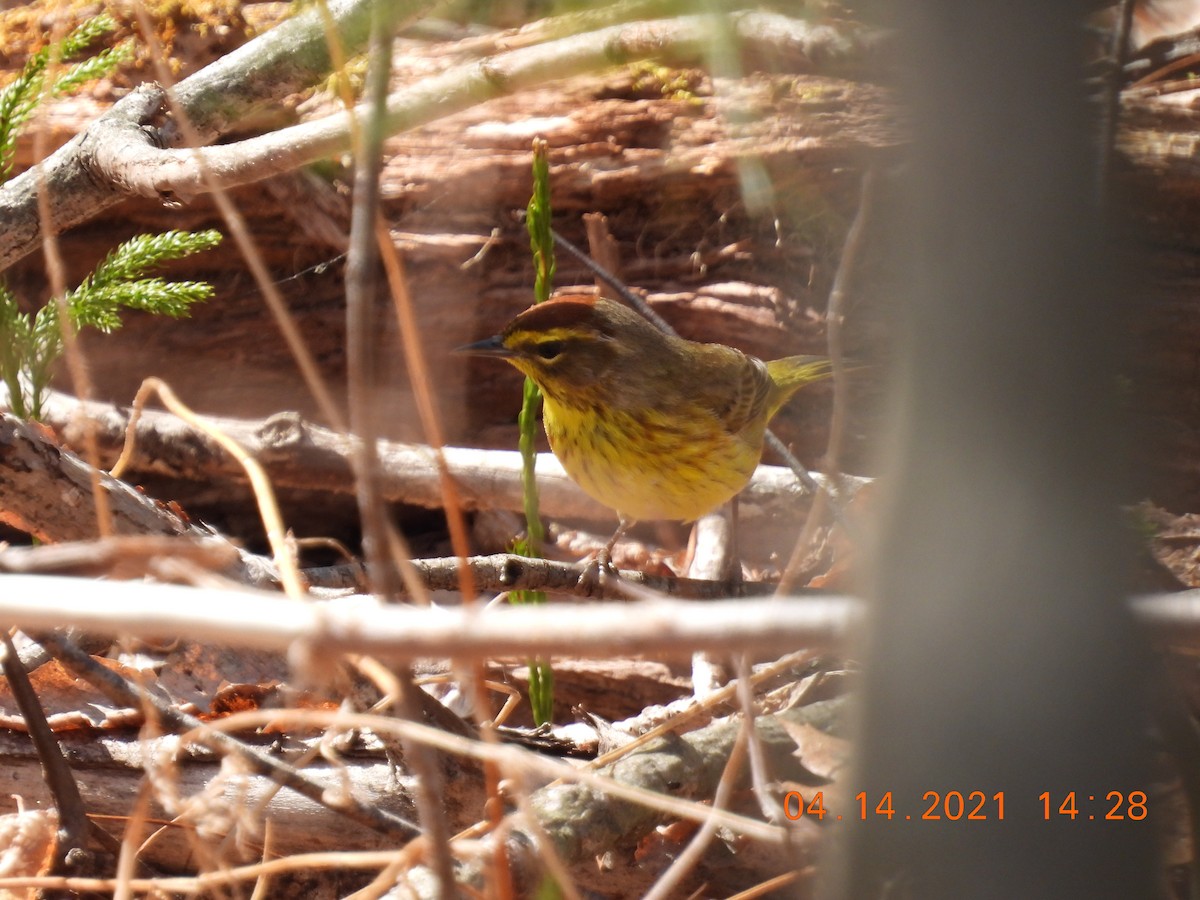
(648, 466)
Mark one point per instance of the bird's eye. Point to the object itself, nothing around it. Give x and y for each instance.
(548, 350)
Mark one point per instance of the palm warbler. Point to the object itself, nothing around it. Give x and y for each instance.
(651, 425)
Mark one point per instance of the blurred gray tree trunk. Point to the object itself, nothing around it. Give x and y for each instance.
(1001, 658)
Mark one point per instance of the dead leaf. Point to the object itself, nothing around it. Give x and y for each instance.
(822, 754)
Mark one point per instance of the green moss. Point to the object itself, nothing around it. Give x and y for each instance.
(671, 84)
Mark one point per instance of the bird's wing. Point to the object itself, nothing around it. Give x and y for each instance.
(736, 388)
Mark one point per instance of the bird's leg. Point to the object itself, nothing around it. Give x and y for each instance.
(600, 567)
(604, 557)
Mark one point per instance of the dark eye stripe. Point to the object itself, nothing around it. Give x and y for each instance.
(548, 349)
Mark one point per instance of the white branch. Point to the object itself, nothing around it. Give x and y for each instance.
(359, 625)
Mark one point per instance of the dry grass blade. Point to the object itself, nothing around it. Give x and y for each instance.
(284, 556)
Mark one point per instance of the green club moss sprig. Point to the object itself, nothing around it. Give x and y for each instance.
(20, 98)
(30, 343)
(541, 242)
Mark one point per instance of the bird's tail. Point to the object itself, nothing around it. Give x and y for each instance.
(790, 374)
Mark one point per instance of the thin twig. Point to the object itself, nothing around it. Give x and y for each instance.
(834, 317)
(362, 313)
(284, 557)
(705, 705)
(760, 776)
(464, 581)
(362, 337)
(431, 422)
(769, 887)
(636, 301)
(217, 882)
(56, 273)
(70, 852)
(510, 572)
(694, 851)
(128, 856)
(542, 842)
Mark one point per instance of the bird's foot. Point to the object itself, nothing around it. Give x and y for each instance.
(598, 573)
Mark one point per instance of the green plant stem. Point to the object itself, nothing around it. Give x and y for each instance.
(541, 242)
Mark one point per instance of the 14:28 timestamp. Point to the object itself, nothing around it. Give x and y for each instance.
(1113, 806)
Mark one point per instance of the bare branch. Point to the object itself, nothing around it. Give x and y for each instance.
(280, 62)
(508, 572)
(123, 152)
(359, 625)
(142, 168)
(45, 490)
(296, 453)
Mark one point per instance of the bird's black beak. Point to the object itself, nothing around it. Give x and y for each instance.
(492, 346)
